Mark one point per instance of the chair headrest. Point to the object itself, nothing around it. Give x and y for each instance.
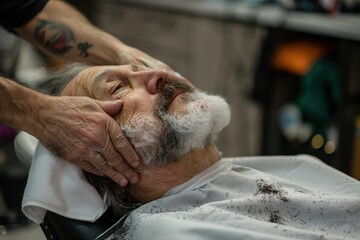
(25, 145)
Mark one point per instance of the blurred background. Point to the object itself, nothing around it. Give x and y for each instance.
(290, 70)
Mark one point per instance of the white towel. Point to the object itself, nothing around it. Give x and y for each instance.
(60, 187)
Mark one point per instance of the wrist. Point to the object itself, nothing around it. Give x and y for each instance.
(115, 51)
(20, 106)
(37, 114)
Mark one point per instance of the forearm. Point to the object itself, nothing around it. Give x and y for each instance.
(19, 106)
(63, 32)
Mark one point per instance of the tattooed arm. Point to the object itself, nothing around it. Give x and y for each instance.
(63, 32)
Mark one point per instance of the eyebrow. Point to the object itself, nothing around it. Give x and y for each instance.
(99, 76)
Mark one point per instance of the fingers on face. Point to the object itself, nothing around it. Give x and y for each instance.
(118, 170)
(90, 168)
(119, 148)
(126, 162)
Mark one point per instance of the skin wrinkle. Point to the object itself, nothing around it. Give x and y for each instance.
(59, 151)
(124, 120)
(100, 75)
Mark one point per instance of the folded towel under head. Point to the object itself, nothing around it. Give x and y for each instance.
(60, 187)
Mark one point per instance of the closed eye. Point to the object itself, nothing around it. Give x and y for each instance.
(117, 87)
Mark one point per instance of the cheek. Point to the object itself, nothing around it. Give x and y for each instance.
(135, 104)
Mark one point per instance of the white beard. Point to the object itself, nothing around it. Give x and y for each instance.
(162, 141)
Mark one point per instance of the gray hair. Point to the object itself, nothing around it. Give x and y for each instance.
(56, 81)
(116, 197)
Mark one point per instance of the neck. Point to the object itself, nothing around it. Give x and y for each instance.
(156, 181)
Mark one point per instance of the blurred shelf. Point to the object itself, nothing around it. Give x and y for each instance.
(343, 26)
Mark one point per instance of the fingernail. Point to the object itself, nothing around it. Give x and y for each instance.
(134, 179)
(135, 164)
(123, 182)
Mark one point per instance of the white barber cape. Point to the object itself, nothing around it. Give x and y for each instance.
(252, 198)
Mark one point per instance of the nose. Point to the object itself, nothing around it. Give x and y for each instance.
(153, 79)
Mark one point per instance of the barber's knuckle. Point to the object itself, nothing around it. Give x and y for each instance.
(121, 141)
(115, 160)
(88, 168)
(115, 175)
(123, 168)
(103, 167)
(82, 151)
(96, 141)
(129, 172)
(75, 157)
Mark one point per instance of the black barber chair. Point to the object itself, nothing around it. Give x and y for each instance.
(56, 227)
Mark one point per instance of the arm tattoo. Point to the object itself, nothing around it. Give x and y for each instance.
(58, 39)
(83, 47)
(55, 37)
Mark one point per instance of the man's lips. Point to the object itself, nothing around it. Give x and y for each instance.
(169, 92)
(175, 94)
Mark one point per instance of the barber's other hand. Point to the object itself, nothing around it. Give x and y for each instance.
(134, 56)
(81, 131)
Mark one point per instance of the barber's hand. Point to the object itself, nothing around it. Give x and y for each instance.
(134, 56)
(81, 131)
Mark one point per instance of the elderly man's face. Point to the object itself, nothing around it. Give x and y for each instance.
(163, 115)
(137, 86)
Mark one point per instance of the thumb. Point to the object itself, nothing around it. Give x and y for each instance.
(111, 107)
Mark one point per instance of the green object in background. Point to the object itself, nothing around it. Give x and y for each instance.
(319, 96)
